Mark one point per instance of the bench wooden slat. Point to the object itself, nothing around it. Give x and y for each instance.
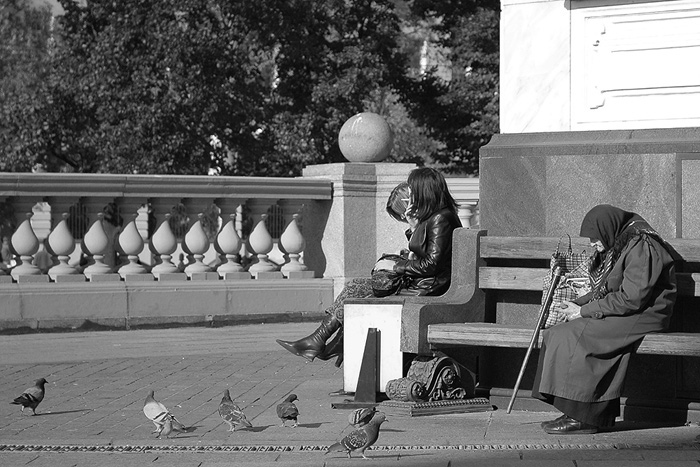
(505, 278)
(528, 247)
(499, 335)
(543, 247)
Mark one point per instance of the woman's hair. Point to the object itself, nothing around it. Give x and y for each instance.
(429, 193)
(398, 201)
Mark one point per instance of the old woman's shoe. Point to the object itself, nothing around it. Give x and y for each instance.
(569, 426)
(543, 424)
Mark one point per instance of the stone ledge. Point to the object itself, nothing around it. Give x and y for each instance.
(123, 304)
(652, 141)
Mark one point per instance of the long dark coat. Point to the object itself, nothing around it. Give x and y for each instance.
(586, 359)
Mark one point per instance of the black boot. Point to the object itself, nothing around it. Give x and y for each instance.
(314, 344)
(334, 348)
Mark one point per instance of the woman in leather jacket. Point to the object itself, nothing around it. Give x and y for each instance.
(427, 206)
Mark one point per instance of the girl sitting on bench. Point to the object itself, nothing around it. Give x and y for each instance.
(431, 213)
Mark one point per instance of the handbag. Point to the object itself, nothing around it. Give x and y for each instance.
(574, 283)
(385, 282)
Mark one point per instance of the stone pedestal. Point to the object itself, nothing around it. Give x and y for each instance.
(353, 229)
(599, 103)
(542, 184)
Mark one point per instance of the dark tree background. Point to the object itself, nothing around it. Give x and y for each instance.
(238, 87)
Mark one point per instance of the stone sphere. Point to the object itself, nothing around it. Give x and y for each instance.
(366, 137)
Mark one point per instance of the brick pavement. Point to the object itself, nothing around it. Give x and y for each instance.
(98, 381)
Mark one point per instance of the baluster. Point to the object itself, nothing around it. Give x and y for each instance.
(293, 243)
(132, 208)
(164, 243)
(162, 207)
(464, 212)
(62, 243)
(197, 244)
(228, 243)
(260, 242)
(201, 205)
(61, 205)
(131, 243)
(26, 244)
(95, 244)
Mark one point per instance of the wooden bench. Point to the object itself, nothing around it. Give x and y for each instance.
(498, 269)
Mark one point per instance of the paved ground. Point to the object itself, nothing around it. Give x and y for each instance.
(92, 414)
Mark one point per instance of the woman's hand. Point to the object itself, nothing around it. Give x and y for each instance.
(570, 309)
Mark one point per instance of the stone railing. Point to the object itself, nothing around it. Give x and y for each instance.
(130, 250)
(113, 217)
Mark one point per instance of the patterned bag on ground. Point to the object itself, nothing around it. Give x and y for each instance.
(574, 282)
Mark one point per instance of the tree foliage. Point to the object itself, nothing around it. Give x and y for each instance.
(250, 88)
(461, 113)
(24, 54)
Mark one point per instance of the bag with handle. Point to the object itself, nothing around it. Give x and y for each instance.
(574, 283)
(387, 282)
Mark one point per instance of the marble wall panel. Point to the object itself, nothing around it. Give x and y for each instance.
(531, 185)
(535, 63)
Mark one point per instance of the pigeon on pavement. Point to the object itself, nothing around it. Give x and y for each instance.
(361, 417)
(161, 417)
(232, 414)
(286, 410)
(31, 397)
(360, 439)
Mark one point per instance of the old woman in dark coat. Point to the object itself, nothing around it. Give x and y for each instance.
(583, 362)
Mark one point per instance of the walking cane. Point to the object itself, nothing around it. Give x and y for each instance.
(540, 321)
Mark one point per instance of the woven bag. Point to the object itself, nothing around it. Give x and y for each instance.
(574, 283)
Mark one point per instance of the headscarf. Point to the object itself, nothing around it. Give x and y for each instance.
(614, 228)
(605, 223)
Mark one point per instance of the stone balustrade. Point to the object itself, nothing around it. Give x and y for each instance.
(65, 204)
(136, 250)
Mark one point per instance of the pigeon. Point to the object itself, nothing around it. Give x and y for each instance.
(31, 397)
(232, 414)
(161, 417)
(361, 417)
(286, 410)
(360, 439)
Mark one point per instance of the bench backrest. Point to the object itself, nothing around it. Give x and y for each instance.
(520, 263)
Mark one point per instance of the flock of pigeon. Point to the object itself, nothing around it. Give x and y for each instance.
(366, 421)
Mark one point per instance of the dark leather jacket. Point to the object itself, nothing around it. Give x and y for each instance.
(431, 243)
